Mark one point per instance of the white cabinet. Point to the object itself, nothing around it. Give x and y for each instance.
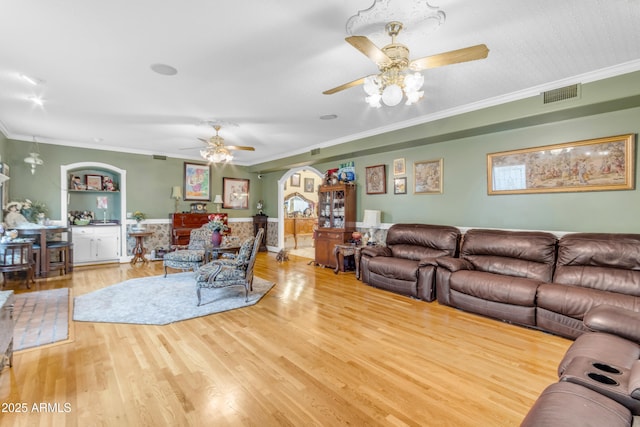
(96, 244)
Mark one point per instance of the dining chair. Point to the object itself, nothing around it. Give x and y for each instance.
(15, 257)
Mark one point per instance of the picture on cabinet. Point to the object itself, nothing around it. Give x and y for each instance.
(197, 182)
(93, 182)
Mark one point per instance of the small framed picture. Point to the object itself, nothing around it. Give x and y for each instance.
(94, 182)
(235, 193)
(427, 176)
(400, 185)
(308, 185)
(295, 180)
(376, 179)
(399, 167)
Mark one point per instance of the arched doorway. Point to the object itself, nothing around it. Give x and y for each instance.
(286, 179)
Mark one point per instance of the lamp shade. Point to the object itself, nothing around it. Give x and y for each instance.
(217, 199)
(371, 219)
(176, 192)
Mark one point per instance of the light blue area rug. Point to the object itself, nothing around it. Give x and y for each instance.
(159, 301)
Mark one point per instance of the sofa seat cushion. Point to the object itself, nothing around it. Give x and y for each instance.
(394, 268)
(495, 287)
(576, 301)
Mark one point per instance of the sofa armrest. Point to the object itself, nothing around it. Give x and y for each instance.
(453, 264)
(373, 251)
(614, 320)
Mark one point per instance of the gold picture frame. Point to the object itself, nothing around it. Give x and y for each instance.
(399, 167)
(427, 176)
(599, 164)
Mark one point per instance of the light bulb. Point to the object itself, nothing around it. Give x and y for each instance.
(374, 100)
(371, 85)
(392, 95)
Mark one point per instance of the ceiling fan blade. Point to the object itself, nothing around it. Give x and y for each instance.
(206, 141)
(344, 86)
(471, 53)
(239, 147)
(192, 148)
(370, 50)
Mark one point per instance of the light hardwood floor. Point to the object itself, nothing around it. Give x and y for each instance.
(318, 349)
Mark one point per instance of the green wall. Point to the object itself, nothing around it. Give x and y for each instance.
(605, 108)
(149, 181)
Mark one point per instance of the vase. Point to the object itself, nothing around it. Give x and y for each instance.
(138, 226)
(216, 238)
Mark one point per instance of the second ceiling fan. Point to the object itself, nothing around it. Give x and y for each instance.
(395, 78)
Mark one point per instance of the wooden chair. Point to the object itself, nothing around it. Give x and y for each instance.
(238, 271)
(17, 256)
(59, 252)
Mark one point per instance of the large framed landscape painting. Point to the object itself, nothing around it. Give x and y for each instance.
(590, 165)
(197, 182)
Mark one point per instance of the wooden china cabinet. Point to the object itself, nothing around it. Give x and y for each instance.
(336, 220)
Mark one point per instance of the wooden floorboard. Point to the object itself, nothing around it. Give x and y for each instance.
(319, 349)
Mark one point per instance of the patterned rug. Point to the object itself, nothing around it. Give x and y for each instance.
(159, 301)
(42, 318)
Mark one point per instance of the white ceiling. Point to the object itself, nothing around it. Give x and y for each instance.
(264, 64)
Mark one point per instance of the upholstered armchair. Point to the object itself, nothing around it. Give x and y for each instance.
(191, 257)
(236, 271)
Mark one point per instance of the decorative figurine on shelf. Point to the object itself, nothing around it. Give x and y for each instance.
(13, 218)
(76, 184)
(259, 206)
(107, 184)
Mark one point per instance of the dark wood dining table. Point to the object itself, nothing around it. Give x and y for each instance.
(39, 234)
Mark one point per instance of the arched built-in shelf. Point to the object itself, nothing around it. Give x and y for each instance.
(117, 198)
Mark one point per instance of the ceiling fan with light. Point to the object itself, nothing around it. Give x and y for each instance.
(398, 74)
(216, 151)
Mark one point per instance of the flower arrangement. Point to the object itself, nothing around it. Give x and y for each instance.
(139, 216)
(216, 223)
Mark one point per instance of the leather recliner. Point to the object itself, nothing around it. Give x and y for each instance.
(406, 265)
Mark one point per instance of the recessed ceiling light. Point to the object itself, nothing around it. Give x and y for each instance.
(36, 100)
(328, 117)
(34, 81)
(164, 69)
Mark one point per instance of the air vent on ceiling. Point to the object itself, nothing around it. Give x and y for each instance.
(561, 94)
(315, 151)
(157, 157)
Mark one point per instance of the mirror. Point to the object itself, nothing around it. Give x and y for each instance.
(298, 206)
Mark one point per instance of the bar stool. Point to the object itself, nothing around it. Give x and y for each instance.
(59, 254)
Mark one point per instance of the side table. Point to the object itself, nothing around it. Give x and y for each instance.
(139, 250)
(341, 251)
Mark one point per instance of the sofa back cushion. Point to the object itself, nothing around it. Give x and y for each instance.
(604, 261)
(419, 241)
(529, 254)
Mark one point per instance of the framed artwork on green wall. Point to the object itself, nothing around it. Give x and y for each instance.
(197, 182)
(591, 165)
(427, 177)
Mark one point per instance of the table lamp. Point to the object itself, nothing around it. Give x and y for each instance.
(371, 221)
(218, 201)
(176, 193)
